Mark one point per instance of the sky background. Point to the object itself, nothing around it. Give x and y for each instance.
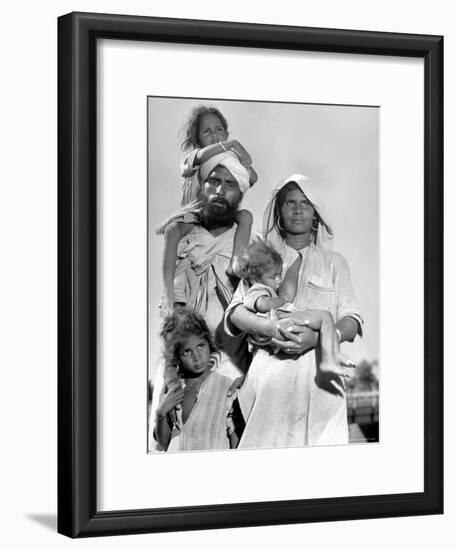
(336, 146)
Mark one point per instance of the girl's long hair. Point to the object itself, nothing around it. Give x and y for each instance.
(191, 128)
(177, 328)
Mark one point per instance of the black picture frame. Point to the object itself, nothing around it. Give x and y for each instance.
(77, 277)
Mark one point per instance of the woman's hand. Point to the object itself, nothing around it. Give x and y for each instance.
(297, 336)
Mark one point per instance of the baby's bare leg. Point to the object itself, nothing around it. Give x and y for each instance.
(331, 357)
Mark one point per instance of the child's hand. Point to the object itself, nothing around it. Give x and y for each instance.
(170, 400)
(242, 154)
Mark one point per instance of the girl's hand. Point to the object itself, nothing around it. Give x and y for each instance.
(170, 400)
(242, 154)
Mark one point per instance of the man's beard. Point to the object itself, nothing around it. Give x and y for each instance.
(218, 213)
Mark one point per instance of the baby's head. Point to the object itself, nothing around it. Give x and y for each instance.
(263, 265)
(205, 126)
(188, 343)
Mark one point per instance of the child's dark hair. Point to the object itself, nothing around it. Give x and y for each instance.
(193, 123)
(177, 328)
(260, 257)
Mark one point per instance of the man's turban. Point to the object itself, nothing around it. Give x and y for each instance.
(231, 162)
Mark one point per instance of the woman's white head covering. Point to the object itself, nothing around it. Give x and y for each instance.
(231, 162)
(322, 238)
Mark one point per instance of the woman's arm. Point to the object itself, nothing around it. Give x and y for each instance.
(298, 338)
(248, 322)
(350, 320)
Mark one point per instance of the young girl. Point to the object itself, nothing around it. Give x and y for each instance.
(194, 412)
(206, 135)
(265, 291)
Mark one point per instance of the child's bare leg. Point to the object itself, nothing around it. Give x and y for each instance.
(332, 360)
(174, 232)
(244, 220)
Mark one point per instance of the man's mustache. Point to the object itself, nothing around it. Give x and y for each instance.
(218, 200)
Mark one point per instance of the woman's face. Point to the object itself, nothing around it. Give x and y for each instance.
(296, 213)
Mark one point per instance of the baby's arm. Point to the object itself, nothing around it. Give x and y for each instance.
(265, 303)
(288, 287)
(172, 235)
(244, 220)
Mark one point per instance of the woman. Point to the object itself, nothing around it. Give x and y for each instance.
(285, 400)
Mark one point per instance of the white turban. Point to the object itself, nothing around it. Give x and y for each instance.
(231, 162)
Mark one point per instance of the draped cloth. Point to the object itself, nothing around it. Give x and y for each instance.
(284, 400)
(205, 428)
(231, 162)
(200, 277)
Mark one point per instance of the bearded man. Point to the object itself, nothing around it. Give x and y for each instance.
(204, 254)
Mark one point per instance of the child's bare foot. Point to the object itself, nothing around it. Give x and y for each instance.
(343, 360)
(166, 308)
(235, 268)
(330, 366)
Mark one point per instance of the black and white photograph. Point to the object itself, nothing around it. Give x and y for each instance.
(263, 274)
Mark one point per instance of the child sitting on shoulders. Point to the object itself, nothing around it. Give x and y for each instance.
(206, 135)
(264, 291)
(194, 412)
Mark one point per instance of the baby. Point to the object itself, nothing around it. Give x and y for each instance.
(266, 292)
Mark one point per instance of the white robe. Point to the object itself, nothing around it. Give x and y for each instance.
(282, 404)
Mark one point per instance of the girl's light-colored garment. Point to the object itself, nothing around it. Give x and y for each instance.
(206, 426)
(191, 186)
(284, 401)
